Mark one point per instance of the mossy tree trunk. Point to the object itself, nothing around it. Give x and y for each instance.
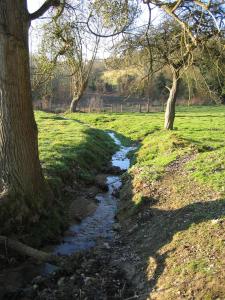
(171, 102)
(22, 184)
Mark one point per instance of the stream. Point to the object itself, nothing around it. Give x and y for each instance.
(98, 226)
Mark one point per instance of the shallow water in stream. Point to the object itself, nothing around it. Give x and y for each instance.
(99, 225)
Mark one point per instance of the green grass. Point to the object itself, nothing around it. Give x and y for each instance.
(185, 224)
(196, 128)
(65, 145)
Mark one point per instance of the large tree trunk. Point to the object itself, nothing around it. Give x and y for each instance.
(22, 185)
(171, 102)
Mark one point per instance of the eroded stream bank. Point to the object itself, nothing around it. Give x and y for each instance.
(88, 244)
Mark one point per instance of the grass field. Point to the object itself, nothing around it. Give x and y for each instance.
(200, 129)
(174, 196)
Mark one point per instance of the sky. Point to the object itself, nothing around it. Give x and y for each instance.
(34, 38)
(34, 4)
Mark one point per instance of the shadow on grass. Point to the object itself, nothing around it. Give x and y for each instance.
(204, 144)
(53, 117)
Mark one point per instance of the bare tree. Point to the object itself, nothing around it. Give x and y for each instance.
(80, 58)
(67, 41)
(199, 21)
(168, 48)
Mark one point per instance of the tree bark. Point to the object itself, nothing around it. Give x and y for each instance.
(21, 178)
(171, 102)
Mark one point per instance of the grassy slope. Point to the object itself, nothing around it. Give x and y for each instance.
(182, 236)
(71, 154)
(64, 144)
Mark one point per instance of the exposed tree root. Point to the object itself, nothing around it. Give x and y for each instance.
(29, 251)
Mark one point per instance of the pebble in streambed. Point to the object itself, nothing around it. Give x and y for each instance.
(87, 275)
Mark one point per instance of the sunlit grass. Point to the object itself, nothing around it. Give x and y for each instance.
(65, 144)
(196, 128)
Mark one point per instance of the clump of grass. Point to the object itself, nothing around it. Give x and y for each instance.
(158, 151)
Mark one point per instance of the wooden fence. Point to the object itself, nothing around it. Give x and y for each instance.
(109, 108)
(121, 108)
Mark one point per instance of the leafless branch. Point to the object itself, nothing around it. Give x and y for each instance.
(45, 7)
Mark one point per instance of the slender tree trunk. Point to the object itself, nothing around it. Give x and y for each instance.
(171, 102)
(77, 97)
(74, 103)
(148, 105)
(21, 178)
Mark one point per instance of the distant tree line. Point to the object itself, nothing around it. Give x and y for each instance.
(204, 81)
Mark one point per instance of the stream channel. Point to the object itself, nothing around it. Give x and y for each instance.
(95, 228)
(99, 225)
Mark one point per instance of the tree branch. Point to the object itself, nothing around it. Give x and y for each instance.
(28, 251)
(183, 24)
(47, 4)
(176, 6)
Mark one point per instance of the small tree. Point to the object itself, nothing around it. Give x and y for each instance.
(197, 22)
(156, 49)
(67, 40)
(168, 48)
